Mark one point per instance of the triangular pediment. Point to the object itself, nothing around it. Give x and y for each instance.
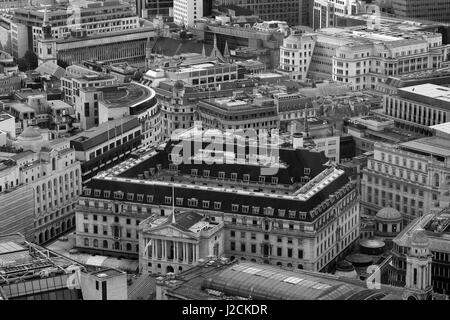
(170, 231)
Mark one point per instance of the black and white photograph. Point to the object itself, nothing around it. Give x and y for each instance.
(226, 157)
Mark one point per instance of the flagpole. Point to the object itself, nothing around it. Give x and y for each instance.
(173, 203)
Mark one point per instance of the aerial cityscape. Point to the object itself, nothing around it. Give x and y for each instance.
(236, 150)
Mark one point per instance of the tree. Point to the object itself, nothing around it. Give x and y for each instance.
(62, 63)
(28, 62)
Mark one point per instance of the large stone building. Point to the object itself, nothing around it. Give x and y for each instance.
(430, 232)
(418, 107)
(361, 56)
(238, 112)
(413, 177)
(304, 215)
(178, 242)
(39, 187)
(90, 16)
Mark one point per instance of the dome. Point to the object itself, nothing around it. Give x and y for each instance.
(344, 266)
(371, 243)
(388, 213)
(30, 133)
(419, 238)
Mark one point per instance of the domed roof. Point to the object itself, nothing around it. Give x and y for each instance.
(30, 133)
(388, 213)
(371, 243)
(345, 266)
(419, 238)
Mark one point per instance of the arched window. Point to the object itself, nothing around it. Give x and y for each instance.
(86, 242)
(300, 266)
(105, 244)
(95, 243)
(128, 247)
(289, 265)
(53, 164)
(279, 264)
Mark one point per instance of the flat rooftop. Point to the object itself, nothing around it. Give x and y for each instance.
(429, 90)
(443, 127)
(431, 145)
(107, 273)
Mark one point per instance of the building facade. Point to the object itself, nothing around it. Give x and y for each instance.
(412, 177)
(433, 230)
(422, 9)
(168, 244)
(44, 182)
(293, 12)
(104, 146)
(281, 219)
(360, 56)
(185, 12)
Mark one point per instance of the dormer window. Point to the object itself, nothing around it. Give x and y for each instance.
(194, 172)
(106, 193)
(221, 175)
(217, 205)
(140, 197)
(291, 213)
(234, 207)
(168, 200)
(205, 204)
(281, 212)
(255, 210)
(87, 192)
(130, 196)
(307, 171)
(234, 176)
(262, 179)
(274, 180)
(246, 178)
(150, 198)
(192, 202)
(118, 195)
(206, 173)
(179, 201)
(97, 192)
(268, 211)
(245, 209)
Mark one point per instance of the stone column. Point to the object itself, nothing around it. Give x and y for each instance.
(197, 252)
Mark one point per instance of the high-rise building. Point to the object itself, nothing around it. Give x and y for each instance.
(185, 12)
